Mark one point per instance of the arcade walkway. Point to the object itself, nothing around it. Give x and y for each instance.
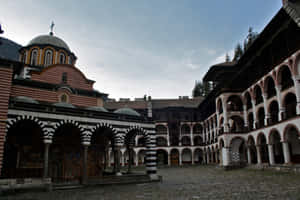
(188, 183)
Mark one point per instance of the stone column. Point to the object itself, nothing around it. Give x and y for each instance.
(281, 108)
(259, 161)
(117, 153)
(225, 116)
(254, 114)
(137, 159)
(249, 155)
(207, 158)
(169, 159)
(267, 114)
(168, 136)
(226, 156)
(204, 157)
(297, 90)
(271, 154)
(216, 156)
(193, 159)
(46, 158)
(286, 152)
(84, 166)
(221, 156)
(123, 159)
(180, 158)
(130, 158)
(192, 135)
(245, 113)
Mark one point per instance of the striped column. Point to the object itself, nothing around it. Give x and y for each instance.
(151, 157)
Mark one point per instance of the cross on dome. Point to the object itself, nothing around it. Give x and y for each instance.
(51, 28)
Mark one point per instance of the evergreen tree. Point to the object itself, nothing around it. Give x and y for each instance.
(201, 89)
(238, 52)
(250, 38)
(227, 58)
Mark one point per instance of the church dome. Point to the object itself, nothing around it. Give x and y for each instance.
(50, 40)
(127, 111)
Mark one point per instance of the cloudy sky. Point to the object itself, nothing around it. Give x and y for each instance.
(137, 47)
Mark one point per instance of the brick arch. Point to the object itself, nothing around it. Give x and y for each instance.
(270, 134)
(279, 70)
(252, 138)
(105, 126)
(286, 129)
(296, 64)
(264, 135)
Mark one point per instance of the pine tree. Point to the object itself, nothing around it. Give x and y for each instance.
(201, 89)
(238, 52)
(227, 58)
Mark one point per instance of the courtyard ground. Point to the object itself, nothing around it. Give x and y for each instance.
(188, 183)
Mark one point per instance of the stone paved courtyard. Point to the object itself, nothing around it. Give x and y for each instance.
(189, 183)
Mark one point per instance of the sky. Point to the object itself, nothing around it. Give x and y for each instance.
(133, 48)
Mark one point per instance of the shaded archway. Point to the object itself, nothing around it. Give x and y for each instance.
(185, 129)
(186, 156)
(274, 111)
(186, 141)
(174, 157)
(236, 124)
(238, 151)
(262, 143)
(292, 135)
(65, 155)
(197, 129)
(23, 151)
(258, 95)
(162, 157)
(161, 130)
(252, 149)
(290, 104)
(161, 142)
(285, 78)
(275, 141)
(261, 117)
(198, 141)
(234, 103)
(142, 157)
(198, 156)
(270, 87)
(220, 106)
(248, 100)
(98, 159)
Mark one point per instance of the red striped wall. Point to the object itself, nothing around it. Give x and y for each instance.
(5, 85)
(53, 74)
(52, 96)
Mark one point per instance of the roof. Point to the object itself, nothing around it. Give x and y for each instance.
(127, 111)
(220, 71)
(49, 39)
(156, 103)
(97, 108)
(9, 49)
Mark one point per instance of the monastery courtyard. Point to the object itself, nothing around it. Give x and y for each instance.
(199, 182)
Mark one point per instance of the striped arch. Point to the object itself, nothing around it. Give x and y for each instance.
(105, 126)
(150, 143)
(84, 134)
(12, 122)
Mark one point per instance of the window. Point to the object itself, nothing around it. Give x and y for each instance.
(48, 57)
(62, 58)
(64, 98)
(33, 58)
(64, 78)
(23, 59)
(70, 60)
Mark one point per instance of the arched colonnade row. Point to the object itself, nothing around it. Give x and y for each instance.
(275, 145)
(169, 156)
(47, 147)
(188, 133)
(273, 98)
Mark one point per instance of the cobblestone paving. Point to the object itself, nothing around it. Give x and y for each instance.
(188, 183)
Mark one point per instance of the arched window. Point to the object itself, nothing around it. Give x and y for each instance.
(62, 58)
(23, 59)
(48, 57)
(64, 78)
(248, 101)
(271, 91)
(258, 95)
(33, 57)
(64, 98)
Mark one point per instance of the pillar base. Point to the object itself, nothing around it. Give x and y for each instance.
(154, 177)
(118, 174)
